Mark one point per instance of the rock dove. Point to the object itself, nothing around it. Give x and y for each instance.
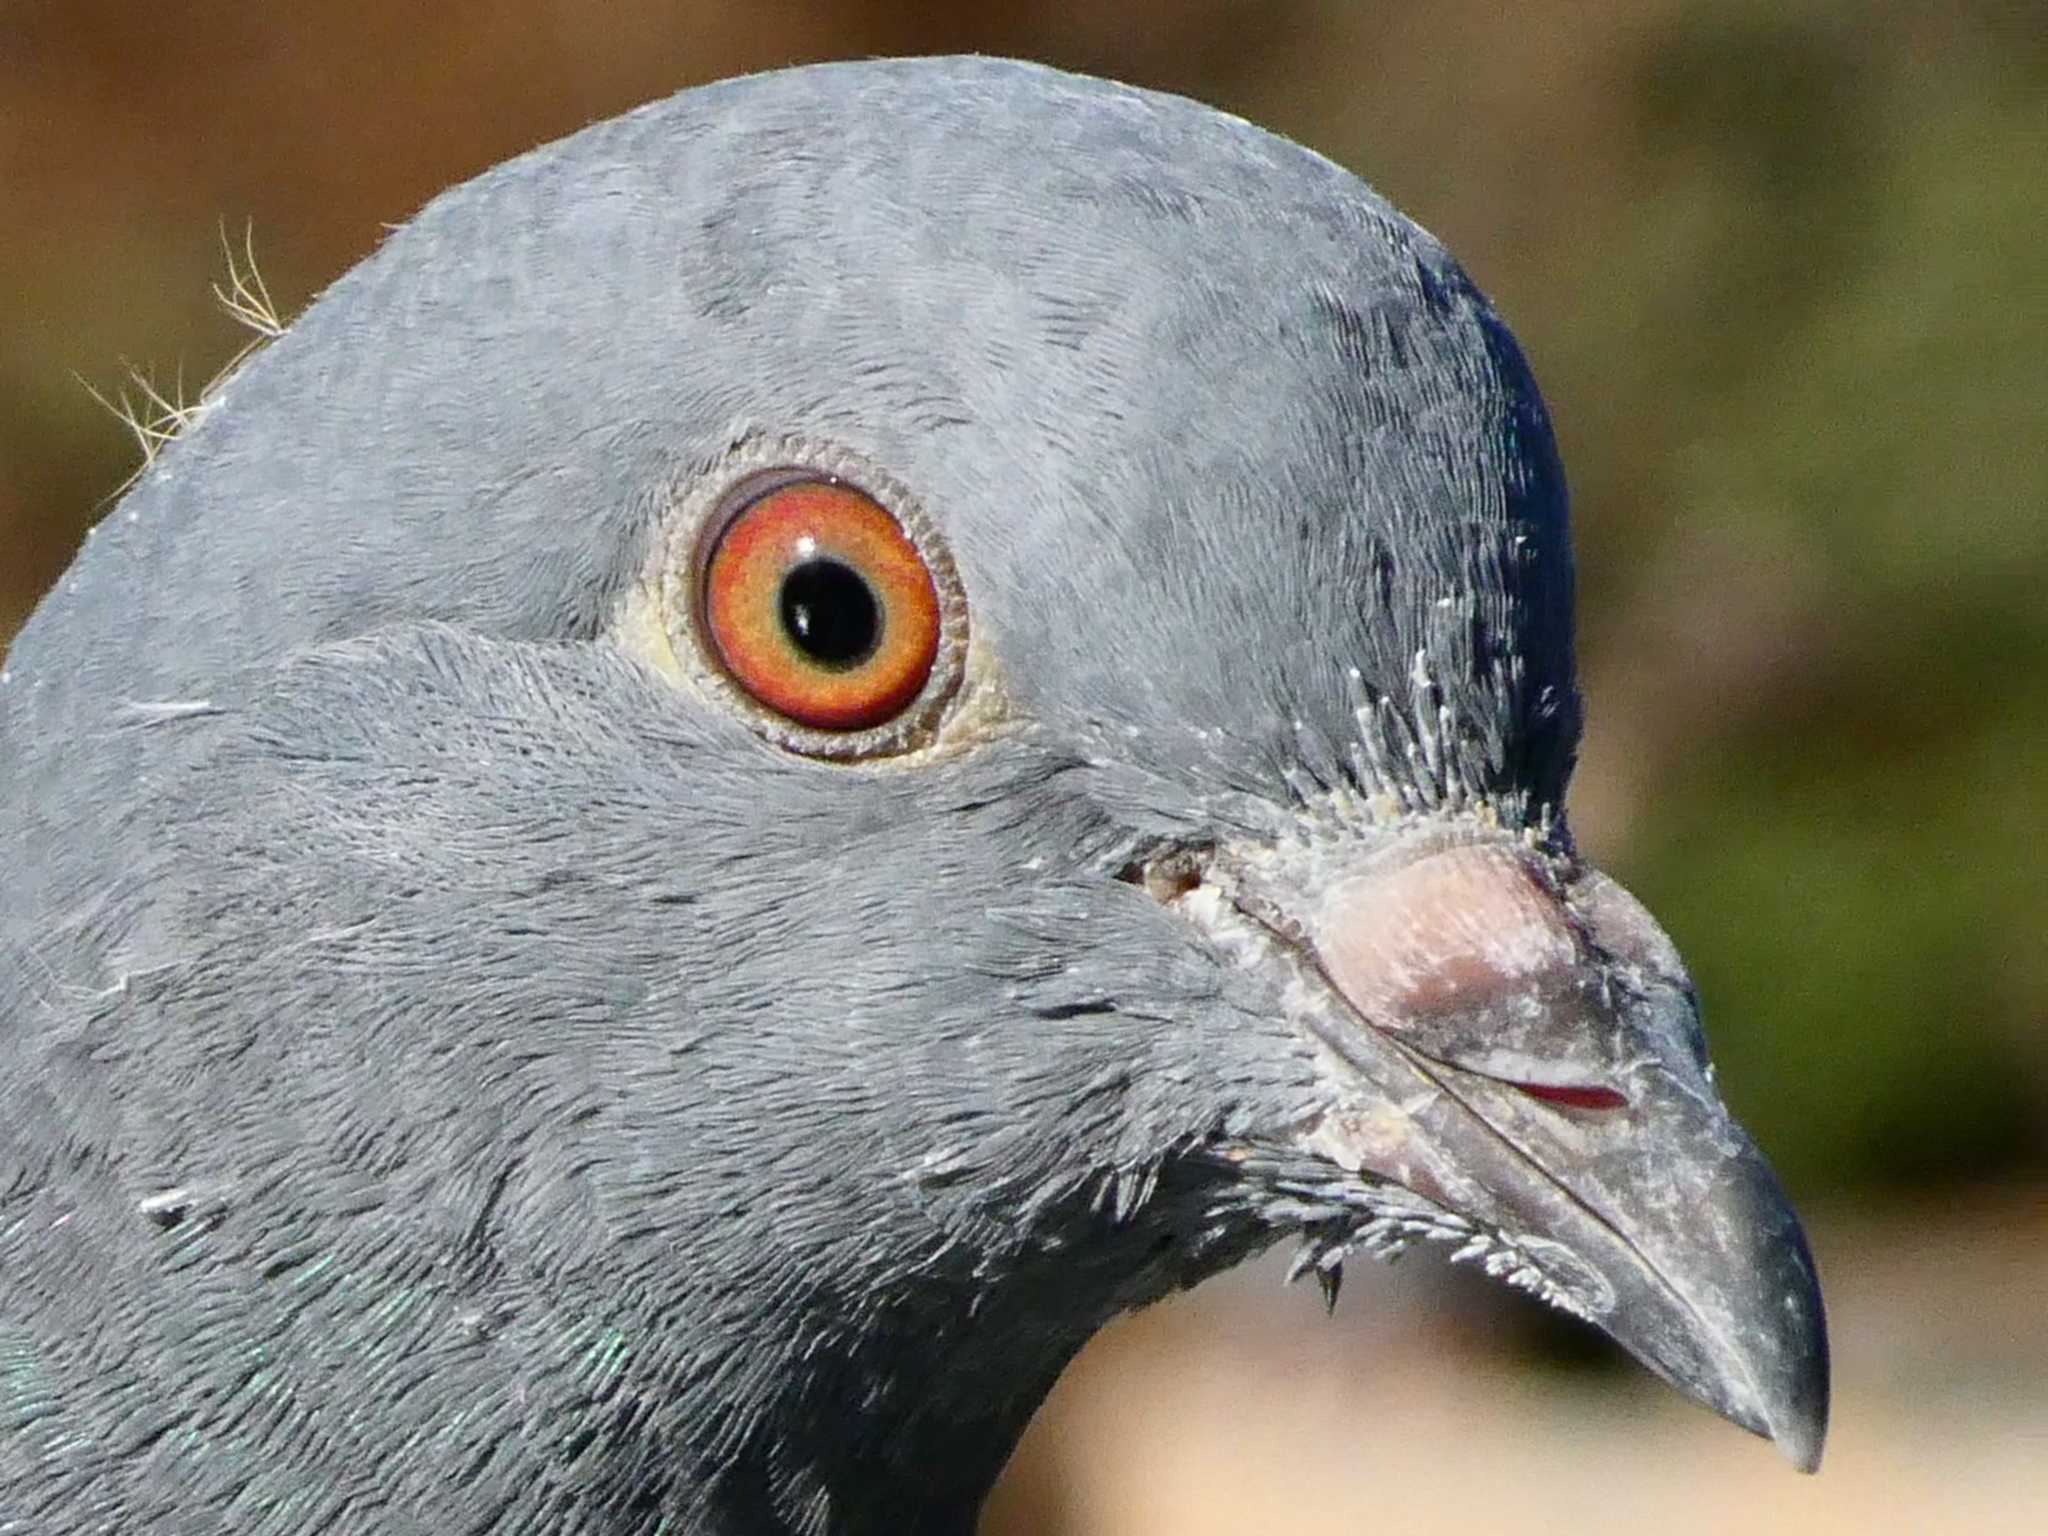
(794, 750)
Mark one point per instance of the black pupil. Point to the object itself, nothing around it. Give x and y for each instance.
(830, 613)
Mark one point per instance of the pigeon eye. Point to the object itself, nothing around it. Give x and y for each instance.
(817, 604)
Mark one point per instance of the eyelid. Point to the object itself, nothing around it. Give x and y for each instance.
(740, 498)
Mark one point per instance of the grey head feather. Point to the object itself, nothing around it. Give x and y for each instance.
(1087, 323)
(462, 1077)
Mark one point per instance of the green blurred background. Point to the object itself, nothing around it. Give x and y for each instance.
(1783, 271)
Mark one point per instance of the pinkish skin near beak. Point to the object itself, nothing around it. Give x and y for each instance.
(1511, 1036)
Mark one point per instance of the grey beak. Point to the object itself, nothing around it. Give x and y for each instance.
(1660, 1222)
(1517, 1043)
(1716, 1286)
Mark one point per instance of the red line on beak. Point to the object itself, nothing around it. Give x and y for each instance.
(1588, 1096)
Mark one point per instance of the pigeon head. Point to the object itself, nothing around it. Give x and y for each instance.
(794, 750)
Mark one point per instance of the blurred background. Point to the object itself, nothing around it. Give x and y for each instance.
(1782, 269)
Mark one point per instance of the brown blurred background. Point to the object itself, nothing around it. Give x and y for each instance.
(1783, 270)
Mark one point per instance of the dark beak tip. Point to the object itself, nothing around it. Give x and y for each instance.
(1770, 1345)
(1797, 1424)
(1751, 1344)
(1801, 1441)
(1798, 1428)
(1799, 1418)
(1803, 1450)
(1801, 1430)
(1794, 1410)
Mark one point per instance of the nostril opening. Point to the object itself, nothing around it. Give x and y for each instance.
(1168, 877)
(1575, 1095)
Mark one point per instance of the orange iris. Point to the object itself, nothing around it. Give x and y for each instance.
(819, 606)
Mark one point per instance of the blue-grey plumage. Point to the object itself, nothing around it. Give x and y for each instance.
(468, 1069)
